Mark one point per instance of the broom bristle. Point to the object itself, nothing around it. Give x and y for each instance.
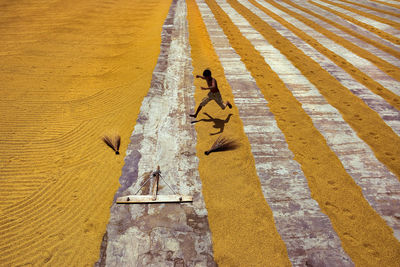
(222, 144)
(113, 143)
(108, 142)
(118, 143)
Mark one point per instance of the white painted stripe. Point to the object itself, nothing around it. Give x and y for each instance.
(360, 43)
(388, 113)
(384, 27)
(347, 24)
(362, 64)
(282, 180)
(362, 165)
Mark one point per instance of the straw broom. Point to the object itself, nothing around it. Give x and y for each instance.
(222, 144)
(113, 142)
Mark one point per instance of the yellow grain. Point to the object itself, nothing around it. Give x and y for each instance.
(72, 71)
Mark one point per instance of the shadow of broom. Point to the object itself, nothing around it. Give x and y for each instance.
(113, 142)
(222, 144)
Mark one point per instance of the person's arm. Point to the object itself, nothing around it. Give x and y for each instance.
(202, 77)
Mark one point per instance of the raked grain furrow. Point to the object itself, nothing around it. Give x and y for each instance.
(70, 75)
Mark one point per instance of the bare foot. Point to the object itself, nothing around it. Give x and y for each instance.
(192, 115)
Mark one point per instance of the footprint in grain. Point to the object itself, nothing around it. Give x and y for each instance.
(348, 214)
(332, 184)
(46, 256)
(375, 135)
(331, 206)
(349, 237)
(390, 155)
(371, 250)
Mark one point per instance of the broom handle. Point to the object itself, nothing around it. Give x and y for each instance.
(155, 185)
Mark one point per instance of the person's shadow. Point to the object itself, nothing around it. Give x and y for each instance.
(218, 123)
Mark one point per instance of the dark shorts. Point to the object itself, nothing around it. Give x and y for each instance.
(213, 96)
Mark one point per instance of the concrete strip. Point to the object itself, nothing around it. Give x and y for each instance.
(364, 45)
(386, 111)
(381, 6)
(391, 2)
(362, 64)
(384, 27)
(309, 239)
(162, 234)
(380, 187)
(346, 23)
(370, 11)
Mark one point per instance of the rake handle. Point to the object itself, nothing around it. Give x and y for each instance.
(155, 185)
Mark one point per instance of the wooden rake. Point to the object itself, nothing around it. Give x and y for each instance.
(154, 197)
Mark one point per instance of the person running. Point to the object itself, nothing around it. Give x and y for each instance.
(214, 93)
